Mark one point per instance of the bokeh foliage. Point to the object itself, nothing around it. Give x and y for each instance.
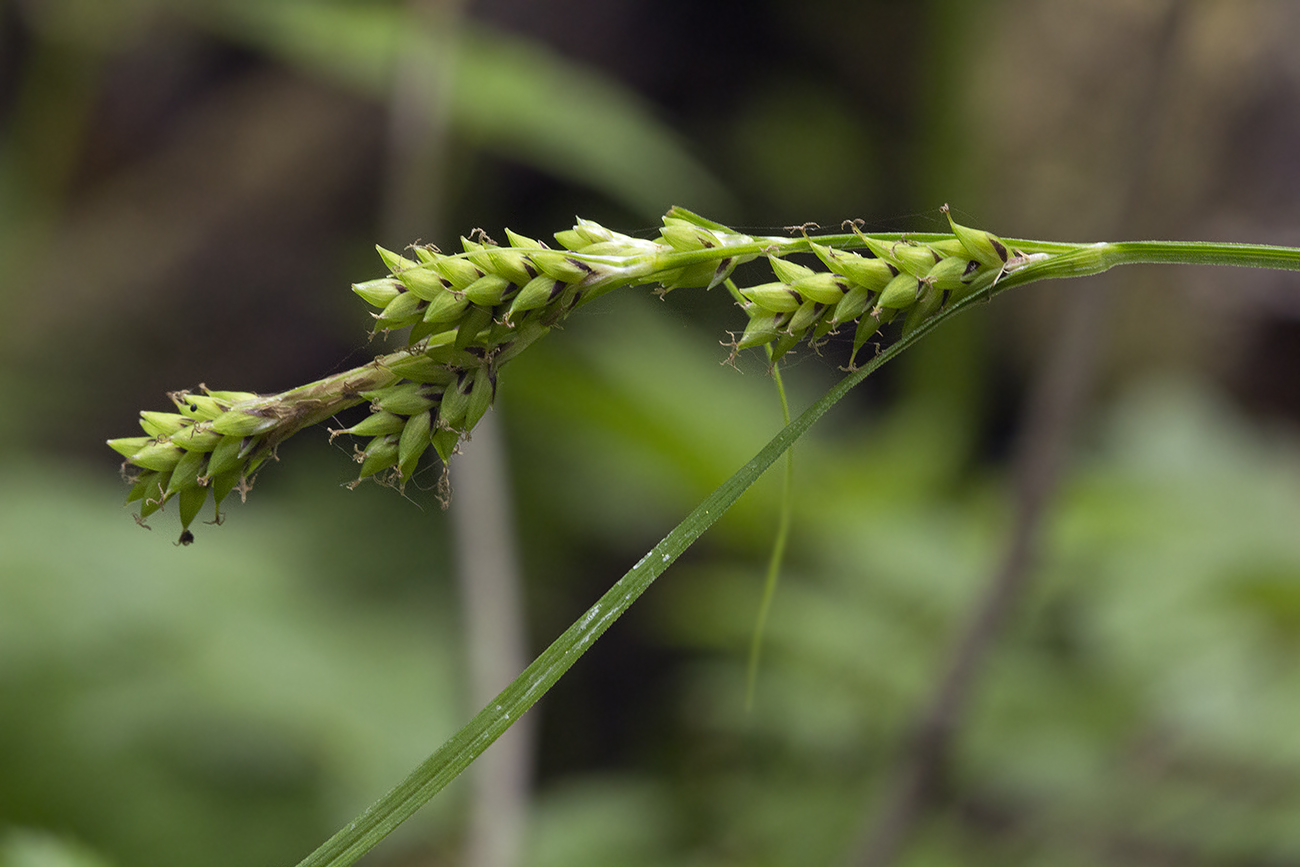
(187, 190)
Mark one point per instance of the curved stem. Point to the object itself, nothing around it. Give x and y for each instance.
(1204, 253)
(776, 558)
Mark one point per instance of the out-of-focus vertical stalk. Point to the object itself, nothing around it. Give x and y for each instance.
(40, 150)
(487, 565)
(417, 121)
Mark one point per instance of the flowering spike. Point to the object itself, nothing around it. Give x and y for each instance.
(470, 313)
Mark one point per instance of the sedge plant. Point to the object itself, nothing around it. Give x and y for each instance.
(471, 312)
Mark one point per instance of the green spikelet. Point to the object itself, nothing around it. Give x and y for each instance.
(423, 282)
(406, 309)
(458, 271)
(414, 439)
(482, 393)
(379, 455)
(900, 292)
(984, 247)
(226, 456)
(162, 424)
(455, 403)
(470, 313)
(773, 297)
(536, 293)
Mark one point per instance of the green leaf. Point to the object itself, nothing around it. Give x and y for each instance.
(509, 95)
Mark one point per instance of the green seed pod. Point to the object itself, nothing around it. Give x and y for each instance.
(421, 330)
(512, 264)
(481, 395)
(477, 254)
(784, 343)
(413, 441)
(523, 242)
(446, 308)
(805, 317)
(142, 486)
(472, 323)
(406, 309)
(128, 446)
(222, 485)
(459, 272)
(915, 259)
(571, 239)
(701, 275)
(951, 273)
(853, 304)
(595, 233)
(868, 325)
(162, 424)
(985, 247)
(618, 248)
(821, 287)
(199, 407)
(570, 295)
(455, 401)
(226, 456)
(197, 438)
(243, 423)
(788, 272)
(449, 355)
(157, 456)
(522, 336)
(537, 292)
(824, 326)
(191, 501)
(444, 443)
(900, 292)
(419, 367)
(560, 267)
(378, 456)
(948, 247)
(155, 495)
(488, 290)
(773, 297)
(229, 398)
(187, 471)
(684, 237)
(423, 282)
(395, 262)
(497, 332)
(871, 273)
(761, 329)
(377, 424)
(407, 398)
(925, 307)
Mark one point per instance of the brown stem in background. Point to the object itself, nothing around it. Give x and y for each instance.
(1055, 406)
(487, 566)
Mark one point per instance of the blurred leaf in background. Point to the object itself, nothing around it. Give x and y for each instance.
(186, 191)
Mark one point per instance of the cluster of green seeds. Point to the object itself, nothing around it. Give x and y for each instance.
(469, 313)
(896, 278)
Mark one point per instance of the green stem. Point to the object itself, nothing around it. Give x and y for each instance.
(1204, 253)
(777, 556)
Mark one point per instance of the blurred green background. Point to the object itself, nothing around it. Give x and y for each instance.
(187, 190)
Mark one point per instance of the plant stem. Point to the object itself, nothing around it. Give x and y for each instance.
(777, 556)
